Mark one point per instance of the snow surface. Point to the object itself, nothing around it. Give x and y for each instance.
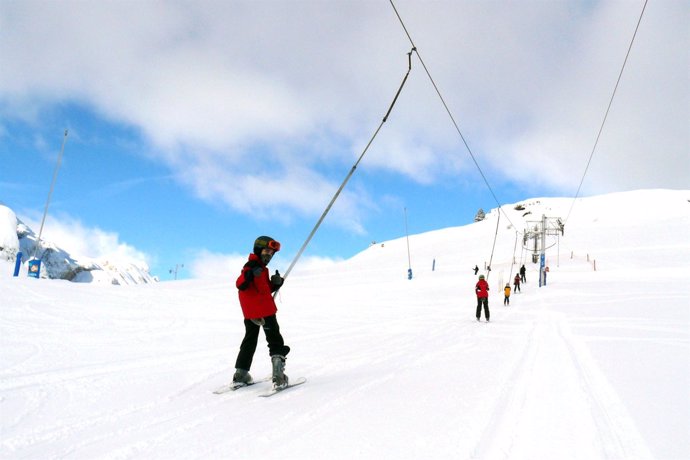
(595, 365)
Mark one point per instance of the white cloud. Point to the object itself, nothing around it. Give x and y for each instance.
(213, 265)
(81, 241)
(266, 105)
(309, 264)
(210, 265)
(645, 133)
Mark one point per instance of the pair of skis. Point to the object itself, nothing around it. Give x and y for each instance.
(236, 386)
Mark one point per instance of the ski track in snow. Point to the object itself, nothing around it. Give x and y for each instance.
(593, 366)
(544, 385)
(553, 367)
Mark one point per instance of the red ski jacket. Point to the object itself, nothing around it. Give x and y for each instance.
(255, 296)
(482, 289)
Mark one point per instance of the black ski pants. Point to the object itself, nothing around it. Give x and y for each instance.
(483, 301)
(276, 345)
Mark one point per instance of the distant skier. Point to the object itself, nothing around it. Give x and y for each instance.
(476, 270)
(259, 311)
(516, 283)
(506, 291)
(523, 272)
(482, 290)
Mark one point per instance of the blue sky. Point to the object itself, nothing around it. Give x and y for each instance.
(195, 127)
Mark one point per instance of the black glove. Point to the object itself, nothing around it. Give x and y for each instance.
(277, 280)
(251, 270)
(251, 273)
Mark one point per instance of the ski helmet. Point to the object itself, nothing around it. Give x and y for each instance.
(481, 277)
(265, 242)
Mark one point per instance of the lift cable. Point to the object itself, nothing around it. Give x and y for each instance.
(601, 128)
(352, 170)
(457, 128)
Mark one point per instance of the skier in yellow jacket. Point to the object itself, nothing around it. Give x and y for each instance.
(506, 290)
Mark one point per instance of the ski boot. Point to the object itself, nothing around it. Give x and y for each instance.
(280, 380)
(242, 376)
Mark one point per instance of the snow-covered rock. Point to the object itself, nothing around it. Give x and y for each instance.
(57, 263)
(9, 241)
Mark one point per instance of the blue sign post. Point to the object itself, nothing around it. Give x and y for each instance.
(542, 273)
(18, 264)
(35, 268)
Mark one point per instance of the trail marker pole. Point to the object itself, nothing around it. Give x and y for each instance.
(35, 264)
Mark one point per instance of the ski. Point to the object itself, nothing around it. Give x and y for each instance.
(236, 386)
(273, 391)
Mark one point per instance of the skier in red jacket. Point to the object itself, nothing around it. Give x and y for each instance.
(482, 290)
(259, 311)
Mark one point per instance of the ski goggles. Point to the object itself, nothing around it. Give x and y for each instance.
(273, 244)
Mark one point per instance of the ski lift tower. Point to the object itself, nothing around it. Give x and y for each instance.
(538, 232)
